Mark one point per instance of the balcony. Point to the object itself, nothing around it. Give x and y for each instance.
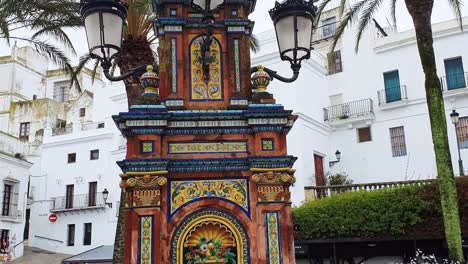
(62, 130)
(392, 96)
(324, 32)
(356, 111)
(77, 202)
(454, 84)
(319, 192)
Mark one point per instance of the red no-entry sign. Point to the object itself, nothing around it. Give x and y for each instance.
(53, 218)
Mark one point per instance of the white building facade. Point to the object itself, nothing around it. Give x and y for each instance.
(370, 105)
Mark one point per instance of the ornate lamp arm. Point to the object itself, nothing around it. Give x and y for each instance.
(106, 65)
(273, 74)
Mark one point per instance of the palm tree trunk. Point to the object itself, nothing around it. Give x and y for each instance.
(420, 11)
(135, 52)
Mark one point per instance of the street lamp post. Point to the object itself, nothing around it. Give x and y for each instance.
(455, 117)
(104, 21)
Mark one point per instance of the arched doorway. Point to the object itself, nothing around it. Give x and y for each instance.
(210, 236)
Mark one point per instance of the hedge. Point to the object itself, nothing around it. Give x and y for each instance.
(412, 211)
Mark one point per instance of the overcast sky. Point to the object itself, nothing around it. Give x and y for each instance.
(442, 12)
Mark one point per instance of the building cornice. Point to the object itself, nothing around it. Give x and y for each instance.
(405, 38)
(315, 125)
(79, 139)
(10, 159)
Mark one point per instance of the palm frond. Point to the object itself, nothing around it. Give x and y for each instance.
(393, 11)
(365, 18)
(320, 9)
(456, 8)
(56, 55)
(56, 33)
(77, 70)
(351, 15)
(254, 44)
(342, 7)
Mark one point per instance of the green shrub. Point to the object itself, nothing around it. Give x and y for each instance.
(382, 213)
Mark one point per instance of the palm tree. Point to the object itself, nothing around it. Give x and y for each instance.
(41, 18)
(420, 11)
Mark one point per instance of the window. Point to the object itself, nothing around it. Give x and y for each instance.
(397, 138)
(61, 123)
(462, 132)
(10, 199)
(173, 12)
(69, 196)
(87, 234)
(334, 62)
(7, 192)
(94, 154)
(34, 97)
(92, 193)
(455, 74)
(364, 134)
(24, 130)
(392, 86)
(82, 112)
(61, 91)
(329, 27)
(71, 157)
(101, 125)
(4, 238)
(71, 235)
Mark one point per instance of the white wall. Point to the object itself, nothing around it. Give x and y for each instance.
(15, 169)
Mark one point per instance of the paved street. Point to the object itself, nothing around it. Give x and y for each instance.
(39, 256)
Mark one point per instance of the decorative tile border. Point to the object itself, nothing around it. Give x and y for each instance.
(184, 192)
(268, 144)
(273, 236)
(145, 240)
(173, 65)
(147, 147)
(207, 147)
(237, 62)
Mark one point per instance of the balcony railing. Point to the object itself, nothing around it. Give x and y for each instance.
(347, 110)
(317, 192)
(62, 130)
(324, 32)
(454, 81)
(91, 126)
(77, 202)
(393, 94)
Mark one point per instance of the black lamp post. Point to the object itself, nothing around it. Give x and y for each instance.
(338, 158)
(296, 17)
(104, 22)
(455, 117)
(105, 196)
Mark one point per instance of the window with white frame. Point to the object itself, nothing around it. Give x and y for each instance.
(61, 91)
(397, 139)
(24, 130)
(10, 199)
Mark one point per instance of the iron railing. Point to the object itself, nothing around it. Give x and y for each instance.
(317, 192)
(347, 110)
(393, 94)
(324, 32)
(454, 81)
(91, 126)
(62, 130)
(77, 202)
